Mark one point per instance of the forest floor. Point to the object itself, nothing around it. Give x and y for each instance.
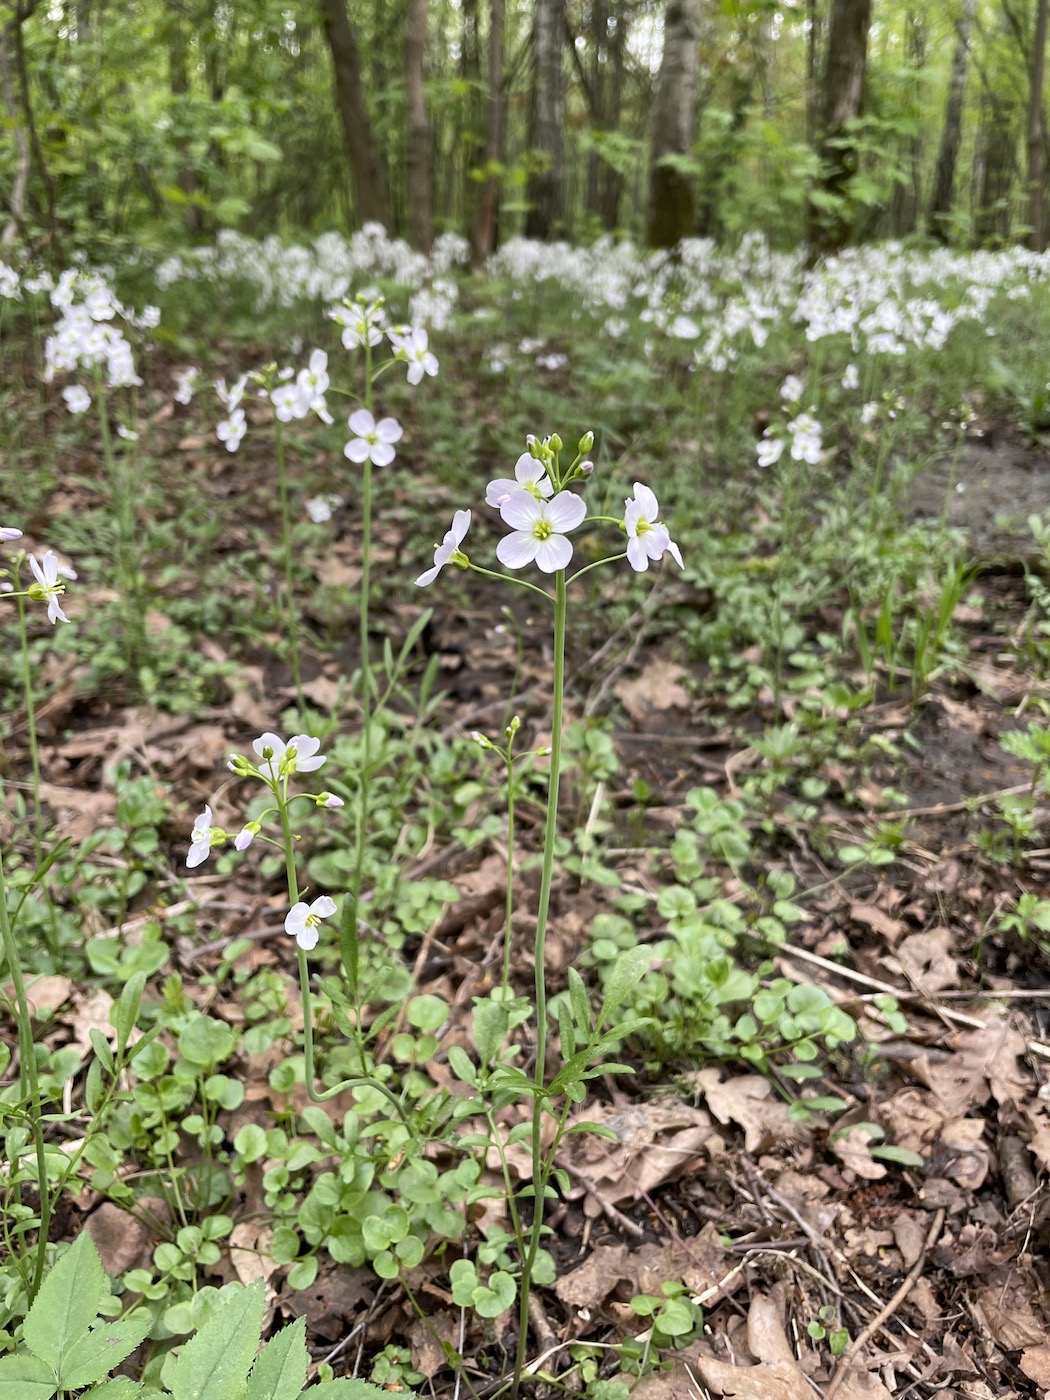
(820, 1268)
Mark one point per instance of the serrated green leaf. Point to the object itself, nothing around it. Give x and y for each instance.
(119, 1389)
(280, 1371)
(214, 1363)
(95, 1355)
(66, 1305)
(25, 1377)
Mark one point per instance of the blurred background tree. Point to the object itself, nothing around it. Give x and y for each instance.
(150, 123)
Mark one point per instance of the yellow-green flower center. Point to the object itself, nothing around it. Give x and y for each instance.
(542, 530)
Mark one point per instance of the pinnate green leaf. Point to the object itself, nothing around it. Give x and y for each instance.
(280, 1371)
(214, 1363)
(66, 1305)
(25, 1377)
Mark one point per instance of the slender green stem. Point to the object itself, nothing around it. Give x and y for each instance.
(612, 559)
(30, 703)
(28, 1081)
(509, 578)
(539, 957)
(509, 908)
(365, 784)
(313, 1093)
(290, 612)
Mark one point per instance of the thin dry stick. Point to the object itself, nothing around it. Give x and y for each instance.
(913, 1276)
(621, 1221)
(959, 1017)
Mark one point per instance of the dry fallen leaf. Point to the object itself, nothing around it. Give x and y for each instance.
(749, 1100)
(1035, 1363)
(250, 1256)
(657, 688)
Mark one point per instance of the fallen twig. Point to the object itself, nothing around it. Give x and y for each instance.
(887, 1311)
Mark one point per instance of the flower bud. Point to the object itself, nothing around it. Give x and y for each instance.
(586, 443)
(555, 442)
(329, 799)
(239, 764)
(585, 468)
(246, 836)
(480, 739)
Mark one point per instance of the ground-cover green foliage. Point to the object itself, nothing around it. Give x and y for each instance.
(783, 416)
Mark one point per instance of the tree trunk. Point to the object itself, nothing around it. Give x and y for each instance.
(951, 135)
(420, 187)
(907, 194)
(995, 165)
(1037, 136)
(16, 202)
(487, 217)
(670, 216)
(545, 187)
(366, 165)
(830, 217)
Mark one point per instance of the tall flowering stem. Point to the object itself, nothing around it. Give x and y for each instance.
(539, 1168)
(290, 612)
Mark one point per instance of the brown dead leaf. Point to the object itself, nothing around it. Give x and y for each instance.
(426, 1337)
(657, 688)
(250, 1256)
(122, 1240)
(984, 1061)
(334, 572)
(91, 1014)
(852, 1147)
(324, 692)
(877, 920)
(589, 1285)
(971, 1157)
(44, 994)
(655, 1142)
(1006, 1309)
(777, 1377)
(909, 1235)
(1035, 1363)
(748, 1100)
(928, 960)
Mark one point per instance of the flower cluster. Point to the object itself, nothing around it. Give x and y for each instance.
(49, 576)
(542, 512)
(801, 435)
(277, 760)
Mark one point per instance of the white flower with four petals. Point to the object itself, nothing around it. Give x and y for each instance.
(303, 919)
(447, 548)
(373, 440)
(539, 530)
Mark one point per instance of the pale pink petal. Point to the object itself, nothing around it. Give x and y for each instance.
(361, 422)
(650, 508)
(636, 555)
(382, 454)
(517, 550)
(357, 450)
(553, 554)
(521, 511)
(566, 511)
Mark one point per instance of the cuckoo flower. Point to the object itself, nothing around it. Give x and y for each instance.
(281, 760)
(303, 919)
(200, 841)
(447, 550)
(539, 529)
(373, 440)
(529, 475)
(47, 587)
(647, 537)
